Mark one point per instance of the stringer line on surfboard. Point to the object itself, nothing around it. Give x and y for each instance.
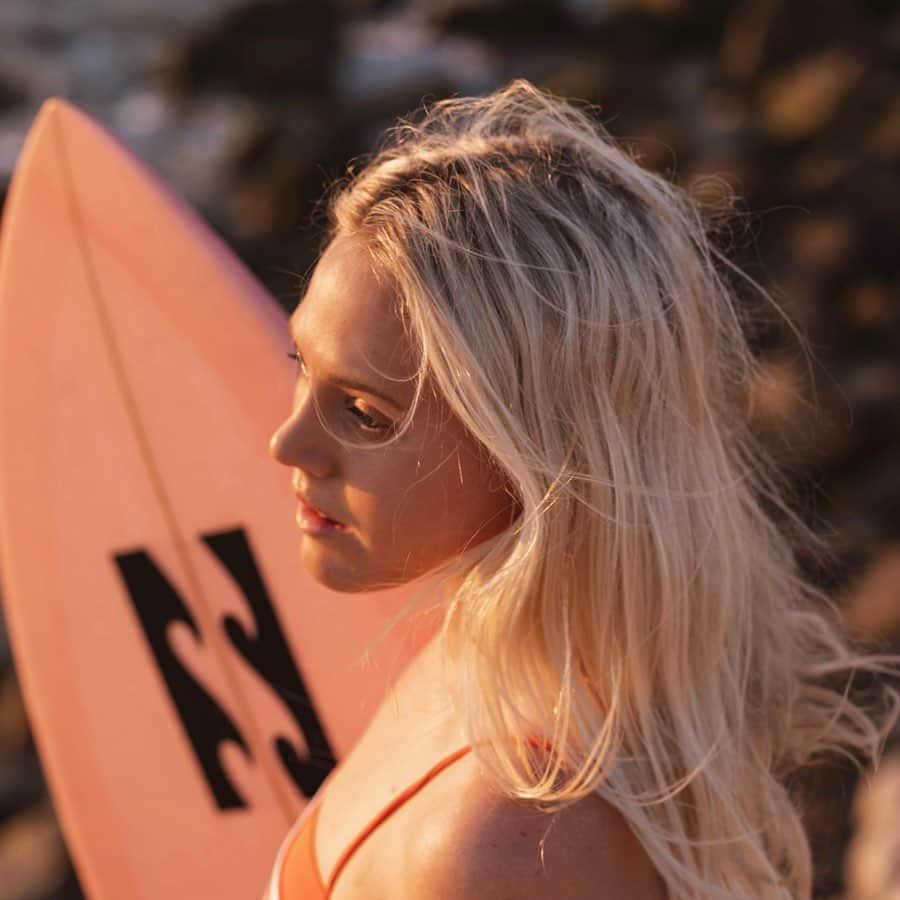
(156, 482)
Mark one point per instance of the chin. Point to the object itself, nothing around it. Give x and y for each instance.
(343, 575)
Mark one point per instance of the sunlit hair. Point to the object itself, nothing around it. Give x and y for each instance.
(644, 613)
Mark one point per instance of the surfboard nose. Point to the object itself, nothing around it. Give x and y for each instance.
(54, 109)
(53, 105)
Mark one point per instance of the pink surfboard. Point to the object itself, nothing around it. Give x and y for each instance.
(188, 685)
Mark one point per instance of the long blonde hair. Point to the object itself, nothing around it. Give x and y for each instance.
(644, 613)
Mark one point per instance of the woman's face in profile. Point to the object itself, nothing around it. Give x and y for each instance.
(370, 516)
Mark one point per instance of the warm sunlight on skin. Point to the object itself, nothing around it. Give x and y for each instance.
(406, 507)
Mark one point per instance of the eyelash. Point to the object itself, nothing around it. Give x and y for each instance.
(299, 360)
(366, 422)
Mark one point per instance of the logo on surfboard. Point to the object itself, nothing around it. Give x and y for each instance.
(158, 604)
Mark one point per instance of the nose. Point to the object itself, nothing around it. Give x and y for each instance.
(300, 441)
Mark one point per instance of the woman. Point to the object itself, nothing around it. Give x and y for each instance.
(520, 370)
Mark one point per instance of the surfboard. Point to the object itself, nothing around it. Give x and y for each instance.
(188, 685)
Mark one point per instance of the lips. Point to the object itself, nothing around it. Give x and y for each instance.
(312, 512)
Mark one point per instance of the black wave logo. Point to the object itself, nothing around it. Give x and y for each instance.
(158, 604)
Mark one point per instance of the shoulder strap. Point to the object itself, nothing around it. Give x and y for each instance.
(394, 804)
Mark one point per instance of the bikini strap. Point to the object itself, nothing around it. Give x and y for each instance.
(394, 804)
(403, 796)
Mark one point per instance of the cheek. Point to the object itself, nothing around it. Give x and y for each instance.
(484, 507)
(403, 504)
(433, 508)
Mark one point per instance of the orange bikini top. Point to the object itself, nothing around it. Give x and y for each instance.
(296, 873)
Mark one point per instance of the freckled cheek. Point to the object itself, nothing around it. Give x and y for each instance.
(400, 508)
(420, 506)
(373, 495)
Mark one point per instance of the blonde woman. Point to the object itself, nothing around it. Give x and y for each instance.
(521, 375)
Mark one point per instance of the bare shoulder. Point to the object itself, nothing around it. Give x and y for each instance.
(481, 846)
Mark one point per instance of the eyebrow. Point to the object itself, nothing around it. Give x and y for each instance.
(346, 381)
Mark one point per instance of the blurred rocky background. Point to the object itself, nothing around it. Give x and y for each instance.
(249, 107)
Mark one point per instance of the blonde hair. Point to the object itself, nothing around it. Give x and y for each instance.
(644, 613)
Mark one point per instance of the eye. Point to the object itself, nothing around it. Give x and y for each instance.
(299, 360)
(366, 422)
(370, 424)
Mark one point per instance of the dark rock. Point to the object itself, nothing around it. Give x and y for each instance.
(21, 784)
(270, 50)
